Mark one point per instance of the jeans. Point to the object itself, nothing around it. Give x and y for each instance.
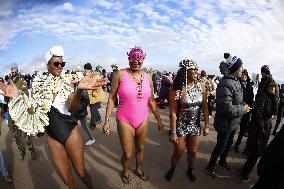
(222, 147)
(95, 114)
(3, 169)
(83, 122)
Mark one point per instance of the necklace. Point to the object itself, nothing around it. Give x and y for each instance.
(138, 78)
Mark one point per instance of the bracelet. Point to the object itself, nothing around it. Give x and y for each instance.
(106, 119)
(173, 132)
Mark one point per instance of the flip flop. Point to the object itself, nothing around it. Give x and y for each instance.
(125, 178)
(142, 175)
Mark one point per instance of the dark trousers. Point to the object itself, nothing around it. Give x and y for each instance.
(258, 140)
(279, 116)
(211, 101)
(250, 163)
(222, 148)
(244, 127)
(95, 114)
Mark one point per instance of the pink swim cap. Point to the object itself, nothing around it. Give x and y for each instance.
(136, 53)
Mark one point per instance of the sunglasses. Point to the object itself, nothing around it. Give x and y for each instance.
(56, 64)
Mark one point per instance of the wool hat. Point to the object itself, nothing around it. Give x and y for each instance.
(265, 69)
(233, 62)
(88, 66)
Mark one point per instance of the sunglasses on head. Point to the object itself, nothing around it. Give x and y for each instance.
(56, 64)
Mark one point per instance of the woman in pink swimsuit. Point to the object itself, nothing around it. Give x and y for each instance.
(135, 90)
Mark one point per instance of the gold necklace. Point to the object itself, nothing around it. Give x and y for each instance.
(136, 77)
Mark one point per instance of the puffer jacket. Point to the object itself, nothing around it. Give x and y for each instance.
(229, 104)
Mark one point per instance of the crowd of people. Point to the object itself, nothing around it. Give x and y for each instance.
(53, 102)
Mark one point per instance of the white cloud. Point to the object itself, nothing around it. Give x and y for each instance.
(68, 7)
(168, 30)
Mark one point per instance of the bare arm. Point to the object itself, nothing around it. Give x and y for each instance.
(111, 99)
(74, 99)
(205, 110)
(173, 103)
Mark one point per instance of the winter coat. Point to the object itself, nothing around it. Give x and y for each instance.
(264, 107)
(229, 104)
(247, 93)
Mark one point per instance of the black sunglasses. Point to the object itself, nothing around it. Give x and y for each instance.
(56, 64)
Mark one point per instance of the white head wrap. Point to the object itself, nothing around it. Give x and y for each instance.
(54, 51)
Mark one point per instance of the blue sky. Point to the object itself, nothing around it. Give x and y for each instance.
(102, 31)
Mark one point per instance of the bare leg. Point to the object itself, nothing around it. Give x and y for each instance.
(61, 161)
(178, 151)
(126, 134)
(75, 151)
(177, 154)
(192, 146)
(140, 136)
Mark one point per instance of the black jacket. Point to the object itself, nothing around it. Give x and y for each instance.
(82, 112)
(229, 104)
(247, 93)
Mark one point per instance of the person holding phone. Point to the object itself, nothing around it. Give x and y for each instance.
(188, 99)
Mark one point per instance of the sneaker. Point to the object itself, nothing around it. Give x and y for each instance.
(210, 172)
(33, 155)
(169, 174)
(224, 165)
(191, 175)
(237, 149)
(90, 142)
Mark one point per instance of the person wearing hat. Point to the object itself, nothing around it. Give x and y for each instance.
(95, 96)
(21, 138)
(229, 111)
(49, 109)
(265, 108)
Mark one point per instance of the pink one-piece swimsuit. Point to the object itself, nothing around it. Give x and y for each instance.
(133, 109)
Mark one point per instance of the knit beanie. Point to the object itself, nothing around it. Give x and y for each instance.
(265, 69)
(233, 62)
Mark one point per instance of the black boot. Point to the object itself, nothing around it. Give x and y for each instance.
(191, 175)
(169, 174)
(210, 172)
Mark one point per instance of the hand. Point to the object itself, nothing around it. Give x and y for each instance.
(160, 125)
(90, 83)
(173, 138)
(247, 108)
(106, 128)
(205, 131)
(9, 90)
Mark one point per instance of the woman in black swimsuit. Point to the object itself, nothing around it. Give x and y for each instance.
(52, 102)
